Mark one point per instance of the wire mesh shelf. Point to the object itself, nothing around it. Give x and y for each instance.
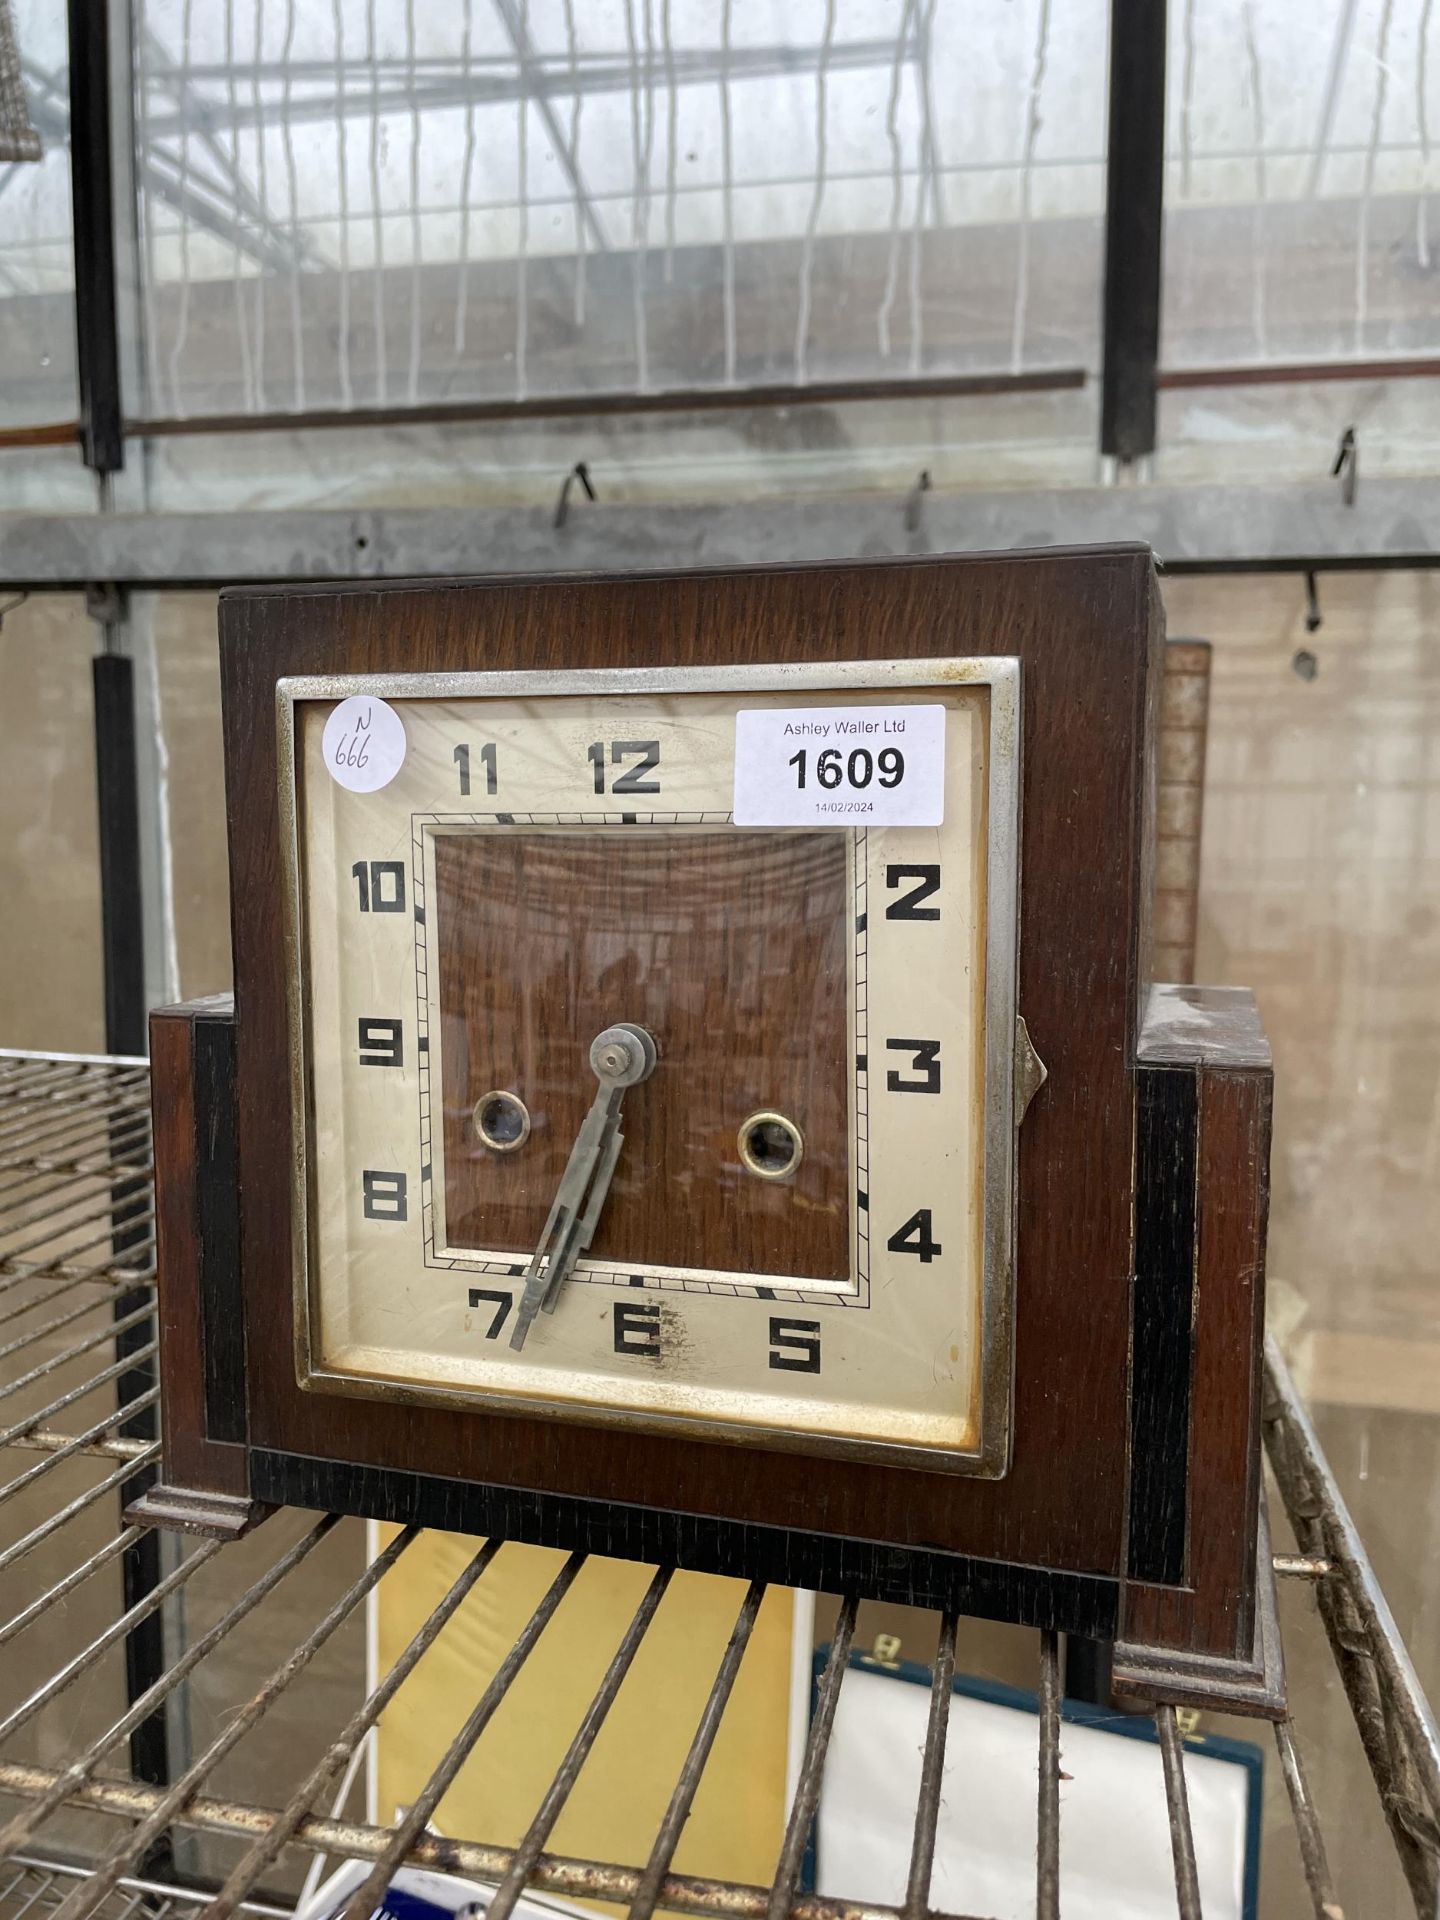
(76, 1283)
(31, 1888)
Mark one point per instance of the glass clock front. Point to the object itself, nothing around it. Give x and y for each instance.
(653, 1041)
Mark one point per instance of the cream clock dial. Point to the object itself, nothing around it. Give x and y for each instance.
(610, 1106)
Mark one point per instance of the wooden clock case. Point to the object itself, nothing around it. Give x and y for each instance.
(1131, 1508)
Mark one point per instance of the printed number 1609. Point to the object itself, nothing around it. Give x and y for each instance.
(857, 769)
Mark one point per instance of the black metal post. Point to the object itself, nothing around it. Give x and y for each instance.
(1134, 227)
(92, 195)
(122, 936)
(118, 791)
(97, 349)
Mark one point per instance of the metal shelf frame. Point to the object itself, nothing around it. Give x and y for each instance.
(76, 1234)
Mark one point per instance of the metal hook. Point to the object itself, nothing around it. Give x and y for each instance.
(914, 503)
(578, 472)
(1346, 468)
(1313, 615)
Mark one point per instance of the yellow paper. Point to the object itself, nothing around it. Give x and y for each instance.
(617, 1804)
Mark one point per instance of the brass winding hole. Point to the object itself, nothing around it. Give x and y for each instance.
(502, 1121)
(771, 1146)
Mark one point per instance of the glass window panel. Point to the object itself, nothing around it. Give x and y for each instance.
(37, 330)
(392, 206)
(1298, 181)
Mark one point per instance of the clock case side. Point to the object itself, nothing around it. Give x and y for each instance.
(205, 1475)
(1198, 1605)
(1046, 1545)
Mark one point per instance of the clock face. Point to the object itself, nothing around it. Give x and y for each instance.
(653, 1048)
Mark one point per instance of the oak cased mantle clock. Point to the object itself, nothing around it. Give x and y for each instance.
(694, 1089)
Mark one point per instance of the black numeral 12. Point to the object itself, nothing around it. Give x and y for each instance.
(461, 757)
(620, 751)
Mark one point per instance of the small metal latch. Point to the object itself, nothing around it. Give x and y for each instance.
(1031, 1073)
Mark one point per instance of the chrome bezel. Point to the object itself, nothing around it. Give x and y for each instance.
(990, 1456)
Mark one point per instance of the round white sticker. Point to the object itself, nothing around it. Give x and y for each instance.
(364, 743)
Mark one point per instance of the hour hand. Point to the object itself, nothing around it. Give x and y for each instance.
(621, 1057)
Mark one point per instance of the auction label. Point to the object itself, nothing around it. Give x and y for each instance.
(840, 766)
(363, 745)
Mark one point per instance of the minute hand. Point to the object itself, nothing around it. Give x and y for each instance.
(621, 1056)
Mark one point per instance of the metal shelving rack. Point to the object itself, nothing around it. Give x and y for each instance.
(76, 1239)
(33, 1887)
